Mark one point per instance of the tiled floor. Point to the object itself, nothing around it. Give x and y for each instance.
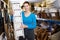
(56, 36)
(2, 38)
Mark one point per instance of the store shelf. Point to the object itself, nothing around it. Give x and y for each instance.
(49, 20)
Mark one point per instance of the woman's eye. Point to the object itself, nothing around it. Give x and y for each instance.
(26, 6)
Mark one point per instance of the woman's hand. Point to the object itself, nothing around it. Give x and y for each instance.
(24, 26)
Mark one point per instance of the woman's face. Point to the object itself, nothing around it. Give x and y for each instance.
(27, 7)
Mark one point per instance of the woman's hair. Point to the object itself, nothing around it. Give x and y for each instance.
(22, 7)
(26, 2)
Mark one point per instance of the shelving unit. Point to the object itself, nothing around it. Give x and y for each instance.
(6, 20)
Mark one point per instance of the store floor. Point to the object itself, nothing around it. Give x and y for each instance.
(56, 36)
(1, 37)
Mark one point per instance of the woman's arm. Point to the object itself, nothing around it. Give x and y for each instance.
(33, 25)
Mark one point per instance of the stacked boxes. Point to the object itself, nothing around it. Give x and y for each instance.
(17, 20)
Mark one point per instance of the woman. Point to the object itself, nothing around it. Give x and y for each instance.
(29, 21)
